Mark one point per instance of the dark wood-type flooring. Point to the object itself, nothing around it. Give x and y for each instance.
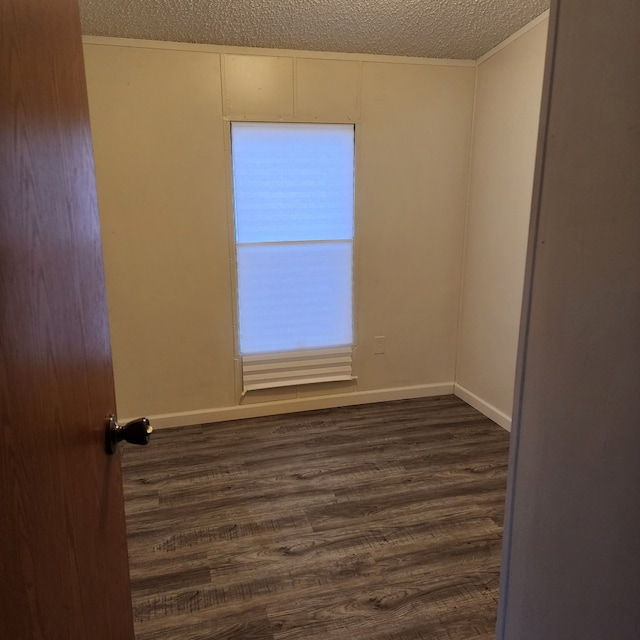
(374, 522)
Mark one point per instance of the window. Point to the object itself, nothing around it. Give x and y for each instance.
(294, 201)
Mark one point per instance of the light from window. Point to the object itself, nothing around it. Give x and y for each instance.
(293, 187)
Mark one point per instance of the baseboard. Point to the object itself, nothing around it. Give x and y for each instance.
(484, 407)
(186, 418)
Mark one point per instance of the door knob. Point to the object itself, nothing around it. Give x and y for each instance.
(134, 432)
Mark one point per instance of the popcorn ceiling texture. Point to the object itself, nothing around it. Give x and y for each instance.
(462, 29)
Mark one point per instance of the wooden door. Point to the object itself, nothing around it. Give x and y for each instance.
(63, 554)
(571, 565)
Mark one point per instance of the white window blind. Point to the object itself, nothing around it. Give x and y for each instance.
(293, 200)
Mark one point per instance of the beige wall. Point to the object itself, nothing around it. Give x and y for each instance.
(508, 93)
(160, 124)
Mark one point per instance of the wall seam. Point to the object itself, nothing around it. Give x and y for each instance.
(465, 232)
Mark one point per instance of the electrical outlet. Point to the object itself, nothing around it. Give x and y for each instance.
(378, 343)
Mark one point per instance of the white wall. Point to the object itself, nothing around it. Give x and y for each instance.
(507, 108)
(160, 114)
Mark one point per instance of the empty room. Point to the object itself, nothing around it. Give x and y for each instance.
(318, 478)
(280, 278)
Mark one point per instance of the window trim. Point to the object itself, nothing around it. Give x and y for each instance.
(233, 257)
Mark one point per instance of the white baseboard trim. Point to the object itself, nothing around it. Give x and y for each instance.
(499, 417)
(203, 416)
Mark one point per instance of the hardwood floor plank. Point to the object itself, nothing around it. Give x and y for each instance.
(376, 522)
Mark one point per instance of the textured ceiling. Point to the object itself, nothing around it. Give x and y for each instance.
(463, 29)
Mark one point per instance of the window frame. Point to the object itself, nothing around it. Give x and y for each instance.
(231, 227)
